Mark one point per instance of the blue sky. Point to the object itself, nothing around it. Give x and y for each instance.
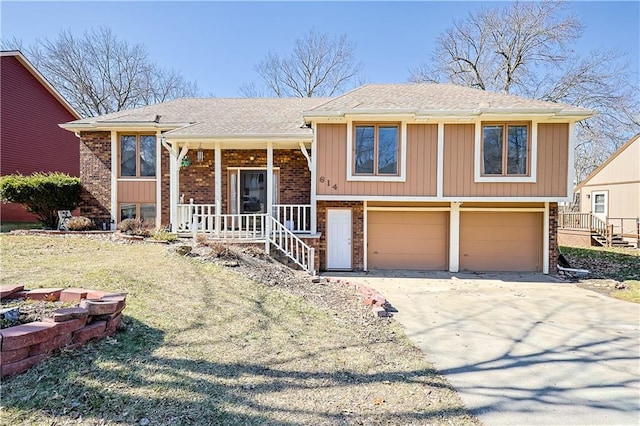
(217, 44)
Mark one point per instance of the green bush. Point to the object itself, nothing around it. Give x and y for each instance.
(80, 223)
(135, 227)
(42, 194)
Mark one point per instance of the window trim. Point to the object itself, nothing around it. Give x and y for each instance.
(532, 158)
(402, 154)
(137, 135)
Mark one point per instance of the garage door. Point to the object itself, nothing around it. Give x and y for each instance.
(407, 240)
(498, 241)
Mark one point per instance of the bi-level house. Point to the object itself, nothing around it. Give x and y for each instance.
(395, 176)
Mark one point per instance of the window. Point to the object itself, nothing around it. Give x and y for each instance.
(137, 155)
(599, 202)
(146, 212)
(376, 149)
(505, 149)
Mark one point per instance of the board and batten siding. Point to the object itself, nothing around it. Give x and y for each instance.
(137, 191)
(422, 146)
(551, 180)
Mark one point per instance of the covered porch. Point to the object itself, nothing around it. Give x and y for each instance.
(228, 189)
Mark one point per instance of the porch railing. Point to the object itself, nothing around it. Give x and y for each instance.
(187, 211)
(253, 227)
(295, 217)
(230, 226)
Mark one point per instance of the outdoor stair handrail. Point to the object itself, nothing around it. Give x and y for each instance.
(293, 247)
(261, 226)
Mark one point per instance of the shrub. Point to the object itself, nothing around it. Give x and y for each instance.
(42, 194)
(80, 223)
(135, 227)
(164, 235)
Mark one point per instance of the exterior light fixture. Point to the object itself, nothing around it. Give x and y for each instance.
(200, 154)
(252, 158)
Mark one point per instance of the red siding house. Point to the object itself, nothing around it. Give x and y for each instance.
(30, 139)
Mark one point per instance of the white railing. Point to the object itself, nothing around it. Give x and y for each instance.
(295, 217)
(292, 246)
(229, 226)
(187, 211)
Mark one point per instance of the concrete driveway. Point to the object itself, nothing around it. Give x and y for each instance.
(523, 349)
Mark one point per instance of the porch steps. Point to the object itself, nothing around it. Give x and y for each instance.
(616, 240)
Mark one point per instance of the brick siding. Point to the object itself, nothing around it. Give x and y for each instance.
(197, 181)
(95, 176)
(357, 230)
(553, 238)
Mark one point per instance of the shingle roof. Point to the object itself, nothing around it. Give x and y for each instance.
(256, 117)
(219, 116)
(433, 98)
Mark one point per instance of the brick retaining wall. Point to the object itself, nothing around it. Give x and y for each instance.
(97, 315)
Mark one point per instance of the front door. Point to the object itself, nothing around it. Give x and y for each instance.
(253, 187)
(599, 205)
(339, 239)
(248, 191)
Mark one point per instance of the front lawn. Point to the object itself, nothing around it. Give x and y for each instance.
(608, 267)
(207, 345)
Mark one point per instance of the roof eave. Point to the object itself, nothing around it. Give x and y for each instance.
(241, 136)
(113, 125)
(549, 112)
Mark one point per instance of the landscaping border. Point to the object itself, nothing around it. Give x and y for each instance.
(97, 315)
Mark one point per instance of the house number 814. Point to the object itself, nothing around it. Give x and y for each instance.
(328, 182)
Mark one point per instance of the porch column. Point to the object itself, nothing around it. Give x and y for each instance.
(174, 170)
(218, 185)
(454, 237)
(269, 194)
(159, 179)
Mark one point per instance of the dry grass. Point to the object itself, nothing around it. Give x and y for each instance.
(608, 267)
(205, 345)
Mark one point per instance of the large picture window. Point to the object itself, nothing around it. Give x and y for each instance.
(376, 149)
(505, 149)
(137, 155)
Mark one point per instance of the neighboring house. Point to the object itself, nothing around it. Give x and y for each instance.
(608, 202)
(414, 176)
(30, 138)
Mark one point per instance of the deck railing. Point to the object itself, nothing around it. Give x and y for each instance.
(618, 227)
(583, 221)
(295, 217)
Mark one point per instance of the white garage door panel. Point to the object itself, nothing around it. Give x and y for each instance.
(407, 240)
(500, 241)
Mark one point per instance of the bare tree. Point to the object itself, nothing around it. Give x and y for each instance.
(525, 49)
(99, 74)
(318, 66)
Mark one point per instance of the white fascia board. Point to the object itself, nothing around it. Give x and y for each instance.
(274, 137)
(440, 199)
(118, 127)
